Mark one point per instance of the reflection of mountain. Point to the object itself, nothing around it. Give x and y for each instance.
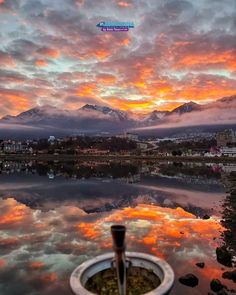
(160, 198)
(195, 183)
(97, 195)
(93, 119)
(99, 187)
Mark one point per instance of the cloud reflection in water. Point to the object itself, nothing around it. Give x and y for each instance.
(40, 249)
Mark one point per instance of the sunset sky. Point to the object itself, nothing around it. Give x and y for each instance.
(51, 52)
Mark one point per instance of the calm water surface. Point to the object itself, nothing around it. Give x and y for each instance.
(53, 216)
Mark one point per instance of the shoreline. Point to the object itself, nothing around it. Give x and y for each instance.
(63, 158)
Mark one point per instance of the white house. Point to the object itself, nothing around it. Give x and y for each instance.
(230, 152)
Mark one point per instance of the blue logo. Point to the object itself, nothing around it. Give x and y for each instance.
(115, 26)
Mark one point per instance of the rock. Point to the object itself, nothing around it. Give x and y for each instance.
(224, 256)
(216, 285)
(200, 264)
(222, 292)
(206, 216)
(230, 275)
(228, 234)
(181, 232)
(189, 280)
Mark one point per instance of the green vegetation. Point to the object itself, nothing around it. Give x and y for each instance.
(139, 281)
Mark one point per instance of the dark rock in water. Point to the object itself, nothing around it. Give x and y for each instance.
(200, 264)
(189, 280)
(230, 275)
(228, 234)
(216, 285)
(181, 232)
(206, 216)
(222, 292)
(224, 256)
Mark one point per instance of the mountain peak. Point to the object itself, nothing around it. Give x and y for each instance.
(95, 107)
(228, 99)
(191, 103)
(116, 114)
(155, 116)
(88, 106)
(187, 107)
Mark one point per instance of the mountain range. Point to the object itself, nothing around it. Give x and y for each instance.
(94, 119)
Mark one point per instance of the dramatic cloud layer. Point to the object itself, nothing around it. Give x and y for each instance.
(51, 52)
(217, 113)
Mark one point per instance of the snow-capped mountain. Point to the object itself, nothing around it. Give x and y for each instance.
(113, 113)
(187, 108)
(50, 113)
(155, 116)
(37, 114)
(45, 120)
(95, 119)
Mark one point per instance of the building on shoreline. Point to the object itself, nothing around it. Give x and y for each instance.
(12, 146)
(225, 138)
(229, 152)
(130, 136)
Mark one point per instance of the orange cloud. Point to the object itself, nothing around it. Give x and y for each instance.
(48, 278)
(102, 53)
(155, 89)
(169, 105)
(204, 87)
(125, 41)
(168, 94)
(88, 230)
(87, 89)
(156, 227)
(15, 100)
(138, 105)
(185, 58)
(13, 214)
(79, 2)
(49, 52)
(41, 63)
(226, 60)
(123, 4)
(103, 46)
(107, 79)
(6, 60)
(35, 265)
(201, 95)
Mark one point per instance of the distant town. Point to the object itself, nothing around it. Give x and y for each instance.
(222, 144)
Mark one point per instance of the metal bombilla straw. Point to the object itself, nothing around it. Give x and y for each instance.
(118, 235)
